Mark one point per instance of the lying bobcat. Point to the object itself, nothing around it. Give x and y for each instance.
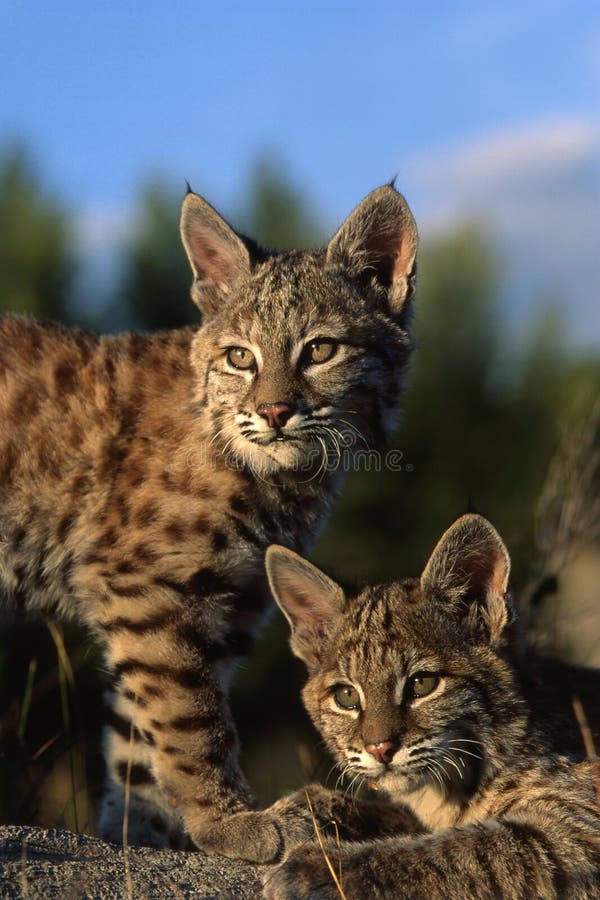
(143, 476)
(415, 689)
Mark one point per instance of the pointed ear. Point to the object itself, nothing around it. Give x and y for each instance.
(469, 569)
(379, 240)
(311, 602)
(217, 255)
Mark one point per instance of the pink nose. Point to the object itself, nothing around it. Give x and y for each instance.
(383, 751)
(276, 414)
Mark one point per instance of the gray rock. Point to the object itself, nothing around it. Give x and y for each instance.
(39, 863)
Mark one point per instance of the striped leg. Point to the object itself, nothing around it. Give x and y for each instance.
(185, 751)
(131, 790)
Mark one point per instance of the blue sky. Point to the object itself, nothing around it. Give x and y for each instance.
(470, 104)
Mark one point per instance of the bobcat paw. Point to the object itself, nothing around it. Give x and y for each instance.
(252, 836)
(299, 817)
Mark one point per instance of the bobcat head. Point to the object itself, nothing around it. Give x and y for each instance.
(301, 354)
(410, 683)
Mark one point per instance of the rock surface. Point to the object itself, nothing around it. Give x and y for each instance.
(40, 864)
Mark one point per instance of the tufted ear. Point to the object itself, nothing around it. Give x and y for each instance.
(469, 569)
(217, 255)
(311, 602)
(379, 241)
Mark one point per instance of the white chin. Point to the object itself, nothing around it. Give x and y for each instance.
(395, 782)
(278, 456)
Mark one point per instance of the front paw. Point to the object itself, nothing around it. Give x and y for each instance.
(252, 836)
(305, 874)
(315, 811)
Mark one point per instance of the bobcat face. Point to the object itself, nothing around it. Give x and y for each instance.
(401, 711)
(301, 354)
(302, 370)
(410, 683)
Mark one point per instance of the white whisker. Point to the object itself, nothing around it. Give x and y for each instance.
(462, 750)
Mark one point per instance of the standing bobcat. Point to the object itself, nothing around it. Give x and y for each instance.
(415, 688)
(142, 477)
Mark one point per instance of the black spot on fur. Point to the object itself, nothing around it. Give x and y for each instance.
(151, 690)
(207, 581)
(126, 590)
(138, 626)
(188, 770)
(239, 505)
(16, 538)
(138, 773)
(135, 698)
(65, 377)
(220, 541)
(246, 533)
(196, 722)
(170, 750)
(122, 726)
(175, 531)
(147, 515)
(108, 539)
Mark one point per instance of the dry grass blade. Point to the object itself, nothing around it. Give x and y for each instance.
(126, 860)
(339, 846)
(66, 677)
(66, 681)
(568, 512)
(10, 720)
(27, 697)
(45, 746)
(24, 880)
(587, 737)
(59, 643)
(336, 880)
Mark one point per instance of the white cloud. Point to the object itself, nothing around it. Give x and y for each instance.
(537, 188)
(101, 230)
(518, 157)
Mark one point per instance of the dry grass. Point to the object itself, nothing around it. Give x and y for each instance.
(337, 877)
(588, 739)
(23, 877)
(568, 511)
(126, 860)
(66, 681)
(27, 697)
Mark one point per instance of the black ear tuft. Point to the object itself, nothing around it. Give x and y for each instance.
(188, 187)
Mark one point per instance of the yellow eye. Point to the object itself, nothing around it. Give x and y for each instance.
(423, 684)
(319, 351)
(346, 696)
(241, 358)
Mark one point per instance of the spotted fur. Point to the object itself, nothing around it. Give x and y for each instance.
(143, 476)
(416, 689)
